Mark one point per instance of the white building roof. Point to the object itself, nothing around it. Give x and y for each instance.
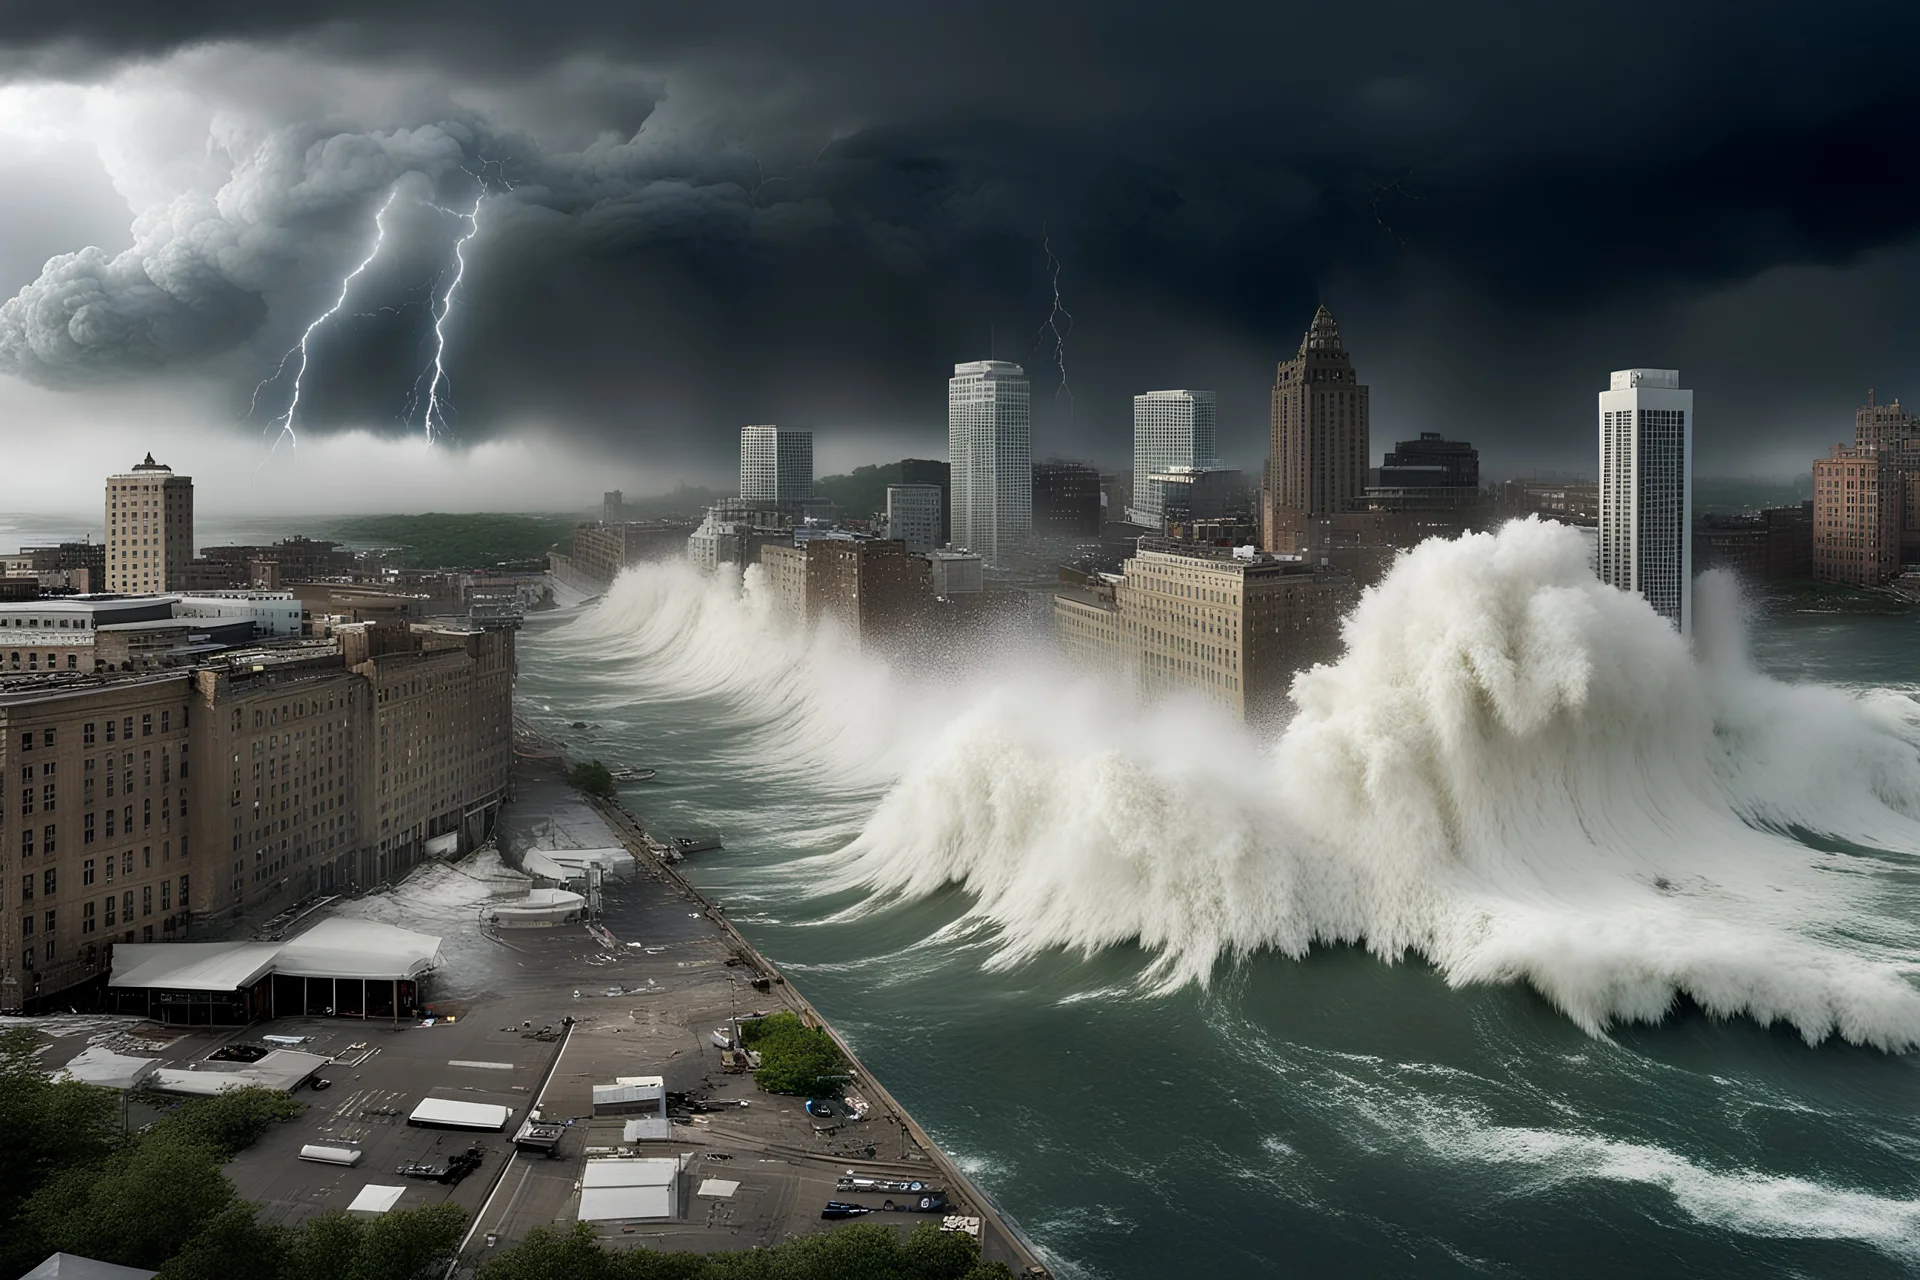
(357, 949)
(283, 1069)
(628, 1190)
(104, 1067)
(448, 1114)
(376, 1198)
(191, 966)
(331, 949)
(69, 1266)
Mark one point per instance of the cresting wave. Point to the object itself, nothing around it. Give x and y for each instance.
(1514, 771)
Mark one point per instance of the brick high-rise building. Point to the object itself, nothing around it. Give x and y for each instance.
(1866, 499)
(1319, 444)
(149, 517)
(1856, 517)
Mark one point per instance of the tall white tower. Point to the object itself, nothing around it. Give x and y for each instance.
(990, 452)
(1170, 429)
(776, 465)
(1646, 490)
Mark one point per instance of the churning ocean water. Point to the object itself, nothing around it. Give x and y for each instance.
(1536, 943)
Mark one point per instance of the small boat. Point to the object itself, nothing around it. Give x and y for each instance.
(579, 724)
(634, 775)
(696, 844)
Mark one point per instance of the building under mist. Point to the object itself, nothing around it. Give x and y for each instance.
(1170, 429)
(1319, 447)
(149, 514)
(1232, 626)
(1866, 499)
(1066, 499)
(914, 515)
(1646, 490)
(776, 466)
(990, 453)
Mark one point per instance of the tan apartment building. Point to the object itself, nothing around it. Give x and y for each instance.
(1204, 620)
(1866, 499)
(439, 754)
(1856, 517)
(147, 808)
(149, 518)
(95, 842)
(875, 588)
(1319, 437)
(282, 735)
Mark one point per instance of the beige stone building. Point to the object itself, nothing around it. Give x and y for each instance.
(1181, 618)
(154, 807)
(875, 588)
(439, 748)
(149, 518)
(95, 825)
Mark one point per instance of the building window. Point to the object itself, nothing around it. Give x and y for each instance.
(86, 872)
(48, 742)
(109, 731)
(86, 918)
(146, 900)
(87, 829)
(165, 718)
(47, 882)
(111, 903)
(46, 838)
(86, 734)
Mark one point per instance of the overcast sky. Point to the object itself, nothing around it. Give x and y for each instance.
(695, 216)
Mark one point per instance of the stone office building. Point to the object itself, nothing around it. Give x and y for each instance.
(95, 825)
(1203, 620)
(152, 808)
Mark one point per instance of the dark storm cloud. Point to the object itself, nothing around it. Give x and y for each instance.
(807, 212)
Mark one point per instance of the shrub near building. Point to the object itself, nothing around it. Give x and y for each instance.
(794, 1058)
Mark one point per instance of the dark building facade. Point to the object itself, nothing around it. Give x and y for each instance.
(1431, 462)
(1319, 447)
(1066, 498)
(928, 471)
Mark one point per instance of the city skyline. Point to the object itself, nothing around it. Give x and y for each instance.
(1433, 207)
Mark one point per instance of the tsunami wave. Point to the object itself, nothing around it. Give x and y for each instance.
(1514, 771)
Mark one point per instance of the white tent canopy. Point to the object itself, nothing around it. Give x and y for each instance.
(349, 949)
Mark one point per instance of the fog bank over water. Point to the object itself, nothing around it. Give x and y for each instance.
(1514, 772)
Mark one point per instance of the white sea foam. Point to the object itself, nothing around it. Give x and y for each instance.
(1514, 771)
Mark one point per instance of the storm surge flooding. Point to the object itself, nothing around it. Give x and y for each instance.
(1513, 771)
(1536, 937)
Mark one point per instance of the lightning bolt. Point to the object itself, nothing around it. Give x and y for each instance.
(285, 420)
(1053, 322)
(435, 405)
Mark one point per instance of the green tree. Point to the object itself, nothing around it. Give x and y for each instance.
(325, 1247)
(49, 1128)
(228, 1123)
(794, 1058)
(232, 1245)
(593, 778)
(139, 1209)
(409, 1244)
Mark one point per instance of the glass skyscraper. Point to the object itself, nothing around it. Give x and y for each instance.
(1170, 429)
(1646, 490)
(990, 452)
